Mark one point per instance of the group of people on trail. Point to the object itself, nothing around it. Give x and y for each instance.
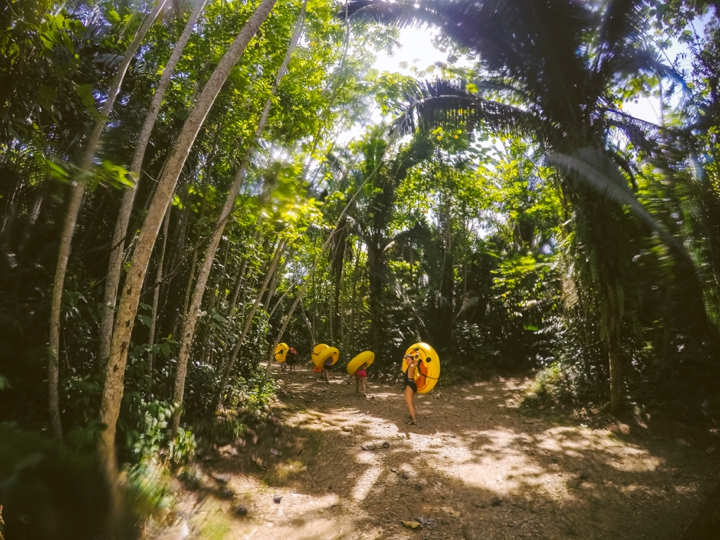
(409, 385)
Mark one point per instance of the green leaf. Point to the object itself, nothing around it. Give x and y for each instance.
(84, 91)
(47, 94)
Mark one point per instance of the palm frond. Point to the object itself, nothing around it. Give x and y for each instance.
(447, 103)
(399, 14)
(595, 169)
(624, 164)
(487, 85)
(633, 60)
(643, 135)
(621, 25)
(536, 42)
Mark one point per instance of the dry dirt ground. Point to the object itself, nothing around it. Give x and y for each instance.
(475, 467)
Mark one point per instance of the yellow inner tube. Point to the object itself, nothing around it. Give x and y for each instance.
(281, 352)
(317, 350)
(330, 352)
(427, 366)
(365, 357)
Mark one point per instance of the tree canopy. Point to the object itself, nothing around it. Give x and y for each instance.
(185, 184)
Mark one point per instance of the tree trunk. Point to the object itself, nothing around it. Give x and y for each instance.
(156, 298)
(199, 241)
(447, 283)
(225, 275)
(353, 301)
(309, 279)
(32, 218)
(614, 346)
(271, 289)
(376, 265)
(76, 195)
(240, 282)
(188, 328)
(313, 340)
(232, 301)
(121, 226)
(225, 371)
(130, 297)
(210, 307)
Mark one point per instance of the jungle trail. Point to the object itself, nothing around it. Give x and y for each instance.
(234, 250)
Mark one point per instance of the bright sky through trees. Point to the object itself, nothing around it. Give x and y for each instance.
(416, 53)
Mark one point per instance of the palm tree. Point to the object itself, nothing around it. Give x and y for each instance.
(380, 174)
(552, 66)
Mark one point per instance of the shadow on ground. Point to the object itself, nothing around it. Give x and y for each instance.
(474, 468)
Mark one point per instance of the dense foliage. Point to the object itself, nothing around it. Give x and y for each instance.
(516, 216)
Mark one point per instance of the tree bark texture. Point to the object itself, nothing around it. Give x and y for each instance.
(156, 298)
(614, 347)
(76, 195)
(189, 322)
(112, 282)
(225, 371)
(130, 296)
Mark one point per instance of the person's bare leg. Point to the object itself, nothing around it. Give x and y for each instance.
(409, 399)
(357, 385)
(327, 376)
(364, 386)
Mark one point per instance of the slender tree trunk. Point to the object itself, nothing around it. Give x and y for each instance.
(188, 329)
(236, 289)
(271, 289)
(313, 340)
(193, 263)
(130, 297)
(212, 302)
(340, 306)
(614, 347)
(77, 191)
(277, 305)
(8, 216)
(309, 279)
(156, 298)
(240, 282)
(353, 302)
(32, 218)
(331, 318)
(225, 274)
(337, 324)
(225, 372)
(121, 226)
(376, 271)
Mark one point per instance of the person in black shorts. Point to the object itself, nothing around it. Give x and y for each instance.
(327, 366)
(291, 359)
(410, 388)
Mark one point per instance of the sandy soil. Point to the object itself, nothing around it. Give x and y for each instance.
(475, 467)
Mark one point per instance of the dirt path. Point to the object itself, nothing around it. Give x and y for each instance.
(474, 468)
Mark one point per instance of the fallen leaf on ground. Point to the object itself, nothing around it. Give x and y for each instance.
(412, 524)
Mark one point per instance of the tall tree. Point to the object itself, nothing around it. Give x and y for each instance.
(538, 55)
(188, 328)
(130, 297)
(76, 195)
(121, 226)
